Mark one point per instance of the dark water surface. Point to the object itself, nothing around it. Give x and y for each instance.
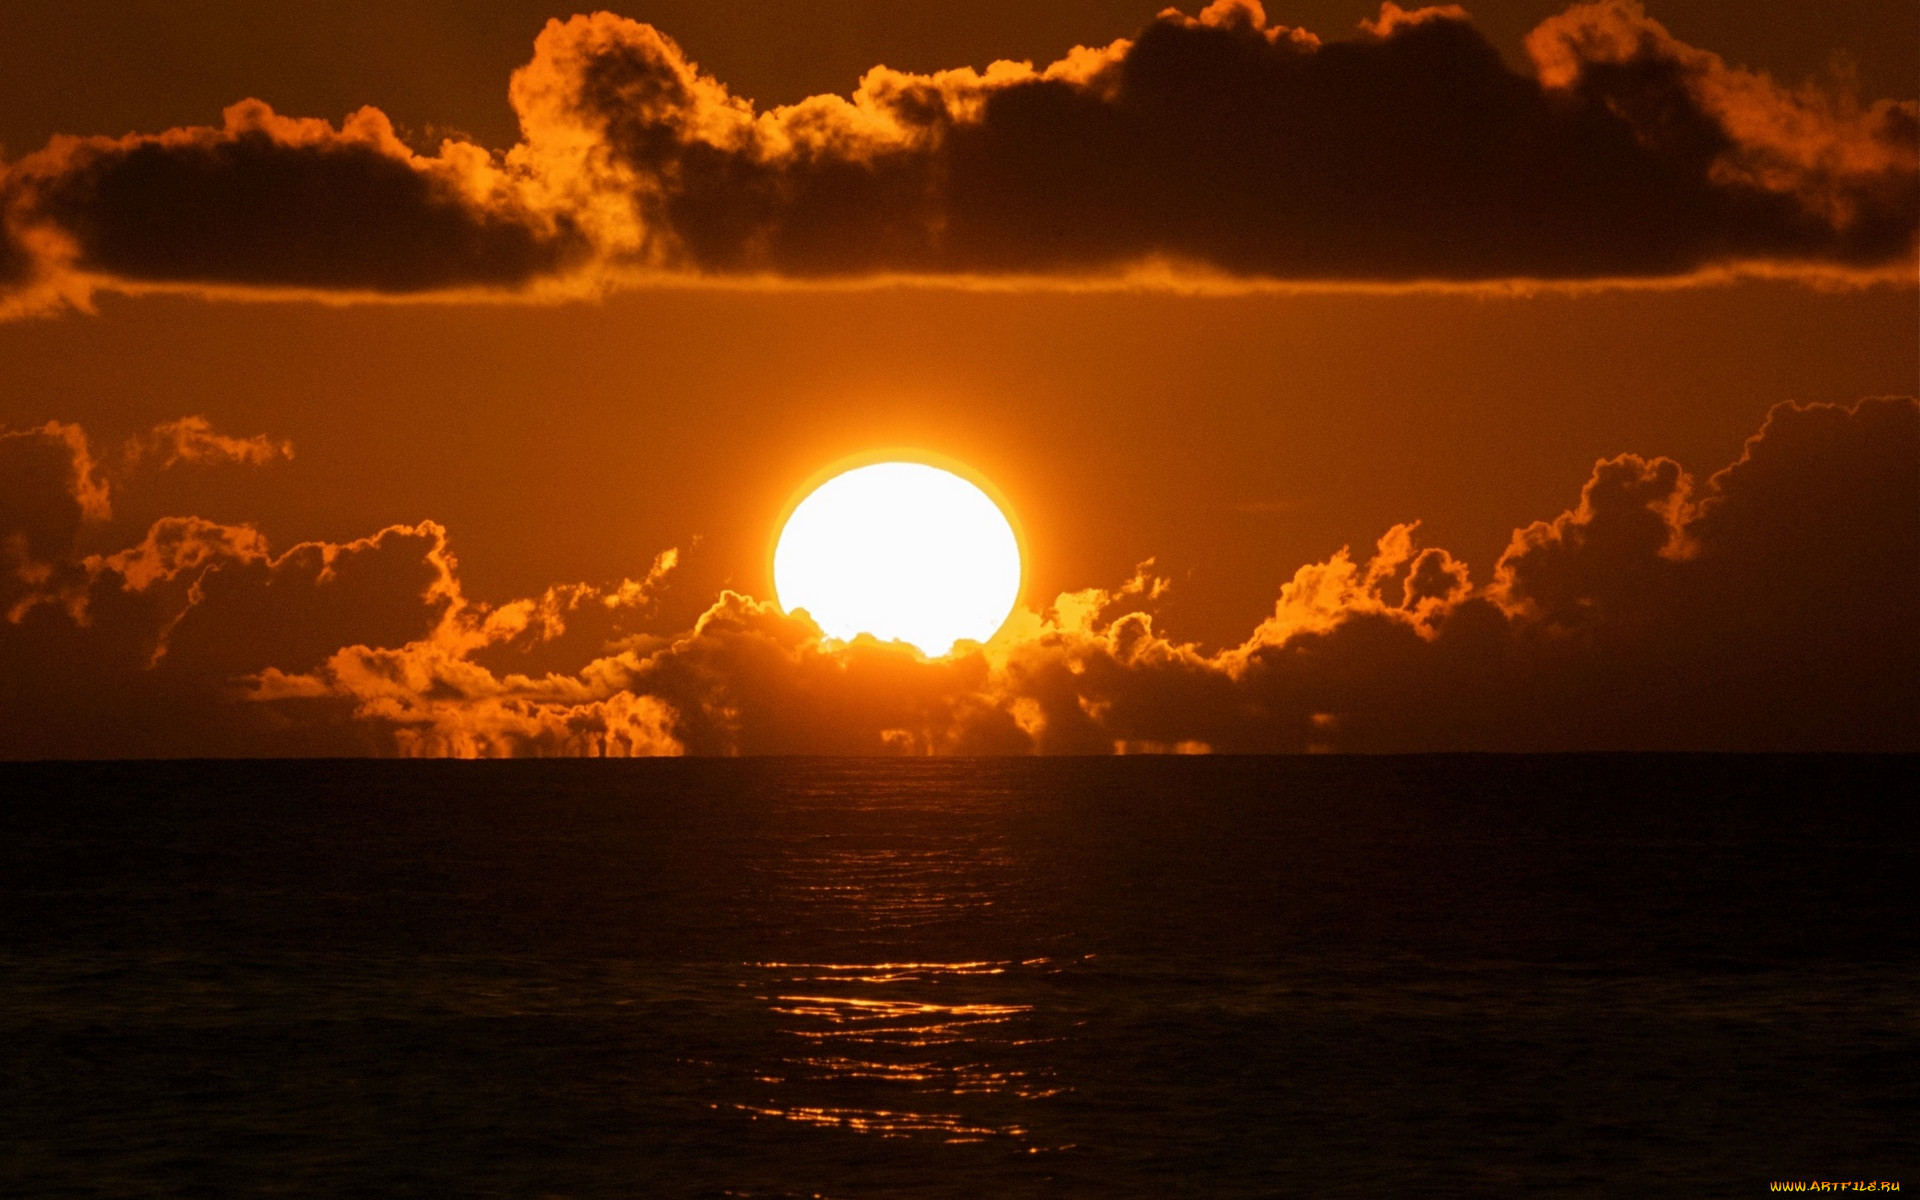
(1632, 975)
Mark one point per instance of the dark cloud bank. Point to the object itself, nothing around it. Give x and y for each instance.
(1214, 150)
(1768, 607)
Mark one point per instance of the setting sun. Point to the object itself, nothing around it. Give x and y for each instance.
(1205, 596)
(899, 550)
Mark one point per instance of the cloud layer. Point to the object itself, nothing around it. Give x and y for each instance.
(1766, 608)
(1211, 150)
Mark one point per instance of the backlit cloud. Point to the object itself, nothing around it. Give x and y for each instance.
(1217, 150)
(193, 440)
(1768, 607)
(267, 201)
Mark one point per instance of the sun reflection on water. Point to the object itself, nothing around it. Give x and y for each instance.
(874, 1039)
(874, 1032)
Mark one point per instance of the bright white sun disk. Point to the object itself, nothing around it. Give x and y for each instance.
(900, 550)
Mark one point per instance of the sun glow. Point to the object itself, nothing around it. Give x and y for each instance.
(899, 550)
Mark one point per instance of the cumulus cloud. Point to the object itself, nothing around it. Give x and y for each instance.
(1221, 149)
(267, 201)
(55, 483)
(437, 696)
(134, 651)
(62, 451)
(1767, 607)
(148, 649)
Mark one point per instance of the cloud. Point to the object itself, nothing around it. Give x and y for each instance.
(145, 650)
(1218, 150)
(1766, 608)
(274, 202)
(61, 451)
(1784, 583)
(193, 440)
(16, 264)
(436, 699)
(135, 651)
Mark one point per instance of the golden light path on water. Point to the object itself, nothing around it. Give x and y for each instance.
(950, 1049)
(926, 1050)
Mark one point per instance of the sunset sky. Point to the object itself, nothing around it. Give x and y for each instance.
(433, 381)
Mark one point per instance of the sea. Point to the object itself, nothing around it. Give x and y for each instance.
(1612, 975)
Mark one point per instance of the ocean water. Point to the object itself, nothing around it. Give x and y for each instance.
(1471, 976)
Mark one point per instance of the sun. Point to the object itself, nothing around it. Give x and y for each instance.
(903, 551)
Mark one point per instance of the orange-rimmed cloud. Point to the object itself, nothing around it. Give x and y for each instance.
(194, 440)
(56, 483)
(1768, 607)
(1218, 150)
(267, 201)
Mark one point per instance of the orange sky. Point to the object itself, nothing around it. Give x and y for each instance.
(1233, 438)
(111, 66)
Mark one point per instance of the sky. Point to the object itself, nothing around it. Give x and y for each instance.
(429, 380)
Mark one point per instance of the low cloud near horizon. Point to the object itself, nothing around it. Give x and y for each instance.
(1767, 606)
(1221, 150)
